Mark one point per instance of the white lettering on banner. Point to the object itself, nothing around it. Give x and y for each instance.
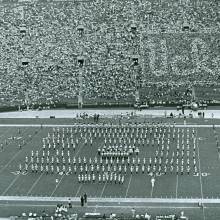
(152, 57)
(200, 54)
(159, 50)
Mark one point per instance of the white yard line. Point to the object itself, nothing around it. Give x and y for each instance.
(34, 184)
(14, 180)
(28, 166)
(103, 189)
(78, 190)
(82, 145)
(57, 186)
(80, 186)
(177, 183)
(6, 165)
(151, 193)
(128, 186)
(200, 176)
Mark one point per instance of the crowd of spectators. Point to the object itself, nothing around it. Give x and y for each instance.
(65, 213)
(123, 46)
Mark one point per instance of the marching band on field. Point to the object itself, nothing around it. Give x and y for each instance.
(153, 149)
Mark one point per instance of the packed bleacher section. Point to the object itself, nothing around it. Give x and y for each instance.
(124, 46)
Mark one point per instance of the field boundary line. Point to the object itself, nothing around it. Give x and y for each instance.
(106, 206)
(109, 199)
(98, 125)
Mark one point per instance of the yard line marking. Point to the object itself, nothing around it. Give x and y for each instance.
(30, 161)
(177, 182)
(75, 156)
(103, 189)
(6, 165)
(200, 176)
(203, 213)
(78, 190)
(80, 186)
(128, 186)
(152, 190)
(82, 145)
(57, 186)
(15, 179)
(34, 184)
(12, 183)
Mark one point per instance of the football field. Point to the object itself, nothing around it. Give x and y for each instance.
(170, 187)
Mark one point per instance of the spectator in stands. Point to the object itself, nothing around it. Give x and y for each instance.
(49, 73)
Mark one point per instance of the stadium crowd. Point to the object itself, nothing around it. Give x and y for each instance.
(53, 51)
(64, 212)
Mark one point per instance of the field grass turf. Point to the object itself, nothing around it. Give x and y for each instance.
(167, 186)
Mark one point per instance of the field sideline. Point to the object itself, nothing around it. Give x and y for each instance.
(211, 112)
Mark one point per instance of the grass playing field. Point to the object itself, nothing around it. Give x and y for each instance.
(204, 185)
